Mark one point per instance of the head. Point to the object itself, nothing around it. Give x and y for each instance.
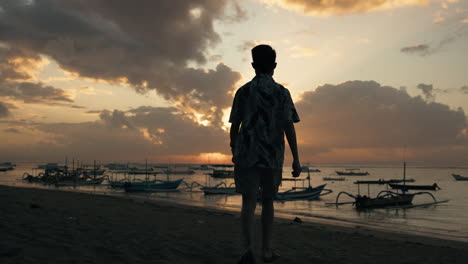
(264, 59)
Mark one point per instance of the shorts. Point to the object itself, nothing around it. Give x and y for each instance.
(251, 180)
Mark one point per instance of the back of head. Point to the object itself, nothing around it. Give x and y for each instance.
(264, 57)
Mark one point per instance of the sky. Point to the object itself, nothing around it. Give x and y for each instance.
(374, 82)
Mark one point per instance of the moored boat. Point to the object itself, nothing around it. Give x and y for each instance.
(405, 187)
(458, 177)
(152, 186)
(333, 178)
(364, 202)
(222, 174)
(220, 188)
(352, 172)
(81, 182)
(301, 193)
(178, 171)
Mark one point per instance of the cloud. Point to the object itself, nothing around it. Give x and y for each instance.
(247, 45)
(464, 89)
(421, 49)
(343, 7)
(355, 121)
(148, 44)
(17, 80)
(33, 92)
(4, 111)
(134, 135)
(302, 51)
(427, 90)
(362, 120)
(93, 112)
(426, 49)
(12, 130)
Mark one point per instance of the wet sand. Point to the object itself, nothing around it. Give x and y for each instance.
(48, 226)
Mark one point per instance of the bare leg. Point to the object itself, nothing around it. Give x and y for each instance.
(267, 224)
(249, 203)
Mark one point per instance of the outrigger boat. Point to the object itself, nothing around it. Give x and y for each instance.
(7, 166)
(220, 188)
(405, 187)
(303, 193)
(333, 178)
(352, 172)
(81, 182)
(152, 186)
(458, 177)
(307, 169)
(385, 198)
(222, 174)
(170, 171)
(147, 185)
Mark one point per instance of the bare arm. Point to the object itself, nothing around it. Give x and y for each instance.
(290, 132)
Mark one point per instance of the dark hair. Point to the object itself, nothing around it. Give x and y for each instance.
(264, 57)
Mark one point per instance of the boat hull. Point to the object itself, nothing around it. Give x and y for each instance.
(152, 187)
(80, 183)
(368, 203)
(305, 194)
(333, 179)
(459, 177)
(223, 174)
(219, 190)
(344, 173)
(433, 187)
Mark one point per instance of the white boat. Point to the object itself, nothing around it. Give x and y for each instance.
(458, 177)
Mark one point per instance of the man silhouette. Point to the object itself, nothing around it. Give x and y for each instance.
(262, 112)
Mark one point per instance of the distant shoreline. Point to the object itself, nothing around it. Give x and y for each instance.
(54, 226)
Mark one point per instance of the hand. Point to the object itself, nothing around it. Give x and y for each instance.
(296, 166)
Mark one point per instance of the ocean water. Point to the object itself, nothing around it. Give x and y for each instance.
(447, 220)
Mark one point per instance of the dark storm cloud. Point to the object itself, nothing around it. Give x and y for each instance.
(148, 43)
(421, 49)
(364, 114)
(118, 135)
(16, 79)
(4, 111)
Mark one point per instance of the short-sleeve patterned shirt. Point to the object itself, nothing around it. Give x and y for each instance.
(262, 107)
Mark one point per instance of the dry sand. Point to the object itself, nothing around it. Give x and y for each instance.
(44, 226)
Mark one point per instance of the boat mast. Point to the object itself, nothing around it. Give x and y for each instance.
(404, 177)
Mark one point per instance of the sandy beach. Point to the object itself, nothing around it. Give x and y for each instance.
(48, 226)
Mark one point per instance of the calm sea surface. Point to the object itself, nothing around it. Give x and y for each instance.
(446, 220)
